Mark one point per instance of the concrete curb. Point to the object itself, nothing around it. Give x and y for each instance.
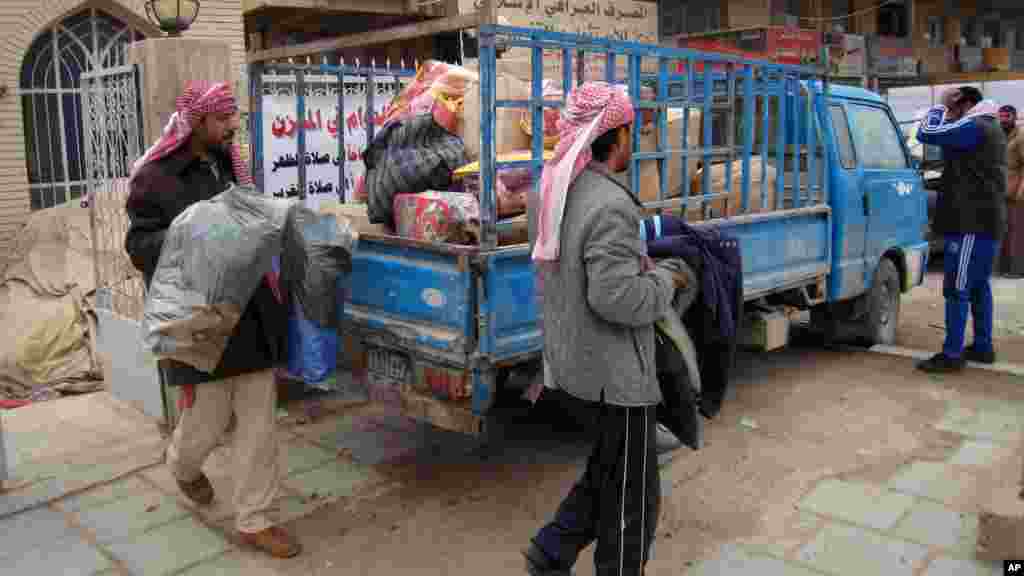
(998, 367)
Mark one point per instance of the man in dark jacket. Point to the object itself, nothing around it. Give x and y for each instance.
(195, 160)
(971, 213)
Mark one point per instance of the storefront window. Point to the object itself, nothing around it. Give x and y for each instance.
(893, 20)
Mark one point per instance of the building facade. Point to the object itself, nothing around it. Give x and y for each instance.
(907, 41)
(46, 46)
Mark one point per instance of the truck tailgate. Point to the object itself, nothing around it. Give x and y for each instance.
(510, 307)
(413, 296)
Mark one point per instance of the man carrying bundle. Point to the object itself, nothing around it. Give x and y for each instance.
(601, 299)
(195, 160)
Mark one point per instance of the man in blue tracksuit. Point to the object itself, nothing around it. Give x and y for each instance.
(971, 214)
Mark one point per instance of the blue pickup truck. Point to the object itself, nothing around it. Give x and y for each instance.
(839, 230)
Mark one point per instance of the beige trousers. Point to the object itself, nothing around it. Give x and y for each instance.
(252, 399)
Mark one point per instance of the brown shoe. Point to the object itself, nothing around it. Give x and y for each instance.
(274, 541)
(199, 490)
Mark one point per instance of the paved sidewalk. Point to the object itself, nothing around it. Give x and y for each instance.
(917, 517)
(131, 519)
(921, 519)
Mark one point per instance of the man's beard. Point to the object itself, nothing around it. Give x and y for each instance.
(1007, 128)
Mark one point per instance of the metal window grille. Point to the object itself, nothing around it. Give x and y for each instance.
(51, 93)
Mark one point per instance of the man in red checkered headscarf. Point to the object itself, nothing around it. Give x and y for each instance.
(211, 112)
(196, 159)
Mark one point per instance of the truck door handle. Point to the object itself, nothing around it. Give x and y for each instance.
(867, 208)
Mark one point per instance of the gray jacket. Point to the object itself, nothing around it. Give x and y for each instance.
(599, 308)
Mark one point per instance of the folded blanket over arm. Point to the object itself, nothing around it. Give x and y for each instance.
(713, 323)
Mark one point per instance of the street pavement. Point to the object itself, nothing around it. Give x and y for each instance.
(822, 462)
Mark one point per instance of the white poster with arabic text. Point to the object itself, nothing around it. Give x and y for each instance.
(323, 127)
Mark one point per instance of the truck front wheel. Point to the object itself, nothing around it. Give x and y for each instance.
(883, 315)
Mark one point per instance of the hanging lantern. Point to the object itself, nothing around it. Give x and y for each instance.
(172, 16)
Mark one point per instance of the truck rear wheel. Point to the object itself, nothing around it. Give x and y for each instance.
(883, 315)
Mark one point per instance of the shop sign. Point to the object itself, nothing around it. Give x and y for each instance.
(794, 46)
(631, 20)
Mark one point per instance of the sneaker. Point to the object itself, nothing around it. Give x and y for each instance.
(941, 364)
(538, 563)
(972, 355)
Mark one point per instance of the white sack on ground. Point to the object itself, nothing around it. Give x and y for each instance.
(45, 307)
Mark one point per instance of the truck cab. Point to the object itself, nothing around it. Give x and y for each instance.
(880, 197)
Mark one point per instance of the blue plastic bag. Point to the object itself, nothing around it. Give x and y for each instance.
(312, 351)
(315, 263)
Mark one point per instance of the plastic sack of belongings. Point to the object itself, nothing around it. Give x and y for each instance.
(419, 182)
(315, 262)
(438, 89)
(408, 156)
(214, 256)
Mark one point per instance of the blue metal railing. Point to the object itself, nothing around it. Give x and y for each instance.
(709, 83)
(706, 79)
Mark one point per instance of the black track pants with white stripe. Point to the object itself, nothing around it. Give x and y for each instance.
(617, 500)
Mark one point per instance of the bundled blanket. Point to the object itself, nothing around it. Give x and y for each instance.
(216, 253)
(407, 157)
(714, 322)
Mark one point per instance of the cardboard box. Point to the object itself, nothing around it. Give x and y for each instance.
(765, 331)
(356, 214)
(649, 174)
(508, 134)
(734, 206)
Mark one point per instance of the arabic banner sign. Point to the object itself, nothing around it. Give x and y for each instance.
(774, 44)
(632, 20)
(725, 44)
(322, 129)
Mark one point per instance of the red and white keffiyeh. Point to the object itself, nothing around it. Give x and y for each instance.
(200, 99)
(591, 110)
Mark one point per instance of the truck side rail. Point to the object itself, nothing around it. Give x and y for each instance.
(710, 84)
